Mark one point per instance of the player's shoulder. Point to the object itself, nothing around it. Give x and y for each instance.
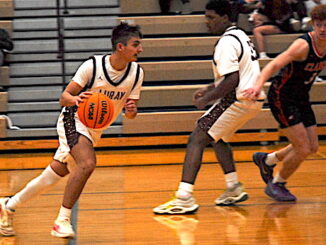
(136, 66)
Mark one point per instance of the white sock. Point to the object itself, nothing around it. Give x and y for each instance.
(231, 179)
(47, 178)
(278, 179)
(185, 190)
(271, 159)
(64, 213)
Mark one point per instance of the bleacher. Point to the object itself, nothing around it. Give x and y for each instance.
(176, 60)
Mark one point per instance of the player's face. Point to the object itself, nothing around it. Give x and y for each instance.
(132, 49)
(320, 29)
(214, 22)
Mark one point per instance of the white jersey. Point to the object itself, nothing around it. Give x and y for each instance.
(235, 52)
(97, 75)
(117, 85)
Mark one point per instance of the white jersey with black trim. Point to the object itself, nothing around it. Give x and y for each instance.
(235, 51)
(117, 85)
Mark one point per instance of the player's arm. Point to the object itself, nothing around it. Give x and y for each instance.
(200, 92)
(71, 95)
(298, 51)
(227, 85)
(131, 108)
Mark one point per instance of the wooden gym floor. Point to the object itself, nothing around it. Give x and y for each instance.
(115, 207)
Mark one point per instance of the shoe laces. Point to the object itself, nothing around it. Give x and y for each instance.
(232, 191)
(282, 186)
(65, 222)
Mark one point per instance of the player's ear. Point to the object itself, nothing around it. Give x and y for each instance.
(119, 47)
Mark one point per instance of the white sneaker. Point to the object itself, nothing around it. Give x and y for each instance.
(232, 196)
(306, 24)
(295, 24)
(177, 206)
(186, 8)
(6, 218)
(319, 79)
(62, 228)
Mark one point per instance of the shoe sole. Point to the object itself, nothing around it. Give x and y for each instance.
(5, 233)
(243, 197)
(268, 193)
(262, 174)
(170, 212)
(61, 235)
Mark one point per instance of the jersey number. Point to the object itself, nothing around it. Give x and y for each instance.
(254, 54)
(312, 78)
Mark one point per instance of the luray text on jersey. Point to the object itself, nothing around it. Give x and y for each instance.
(113, 95)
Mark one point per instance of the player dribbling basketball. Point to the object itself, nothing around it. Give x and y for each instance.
(117, 76)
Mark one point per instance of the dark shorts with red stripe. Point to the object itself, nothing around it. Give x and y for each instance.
(290, 111)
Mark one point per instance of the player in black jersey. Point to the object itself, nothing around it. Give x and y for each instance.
(289, 101)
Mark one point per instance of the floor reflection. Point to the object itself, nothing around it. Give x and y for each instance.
(276, 225)
(183, 225)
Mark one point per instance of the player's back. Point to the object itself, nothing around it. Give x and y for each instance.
(248, 65)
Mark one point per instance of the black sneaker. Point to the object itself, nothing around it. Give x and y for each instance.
(279, 192)
(266, 171)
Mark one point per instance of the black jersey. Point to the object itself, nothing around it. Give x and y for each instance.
(296, 78)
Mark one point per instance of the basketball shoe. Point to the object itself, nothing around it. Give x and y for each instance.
(177, 206)
(232, 196)
(6, 218)
(279, 192)
(62, 228)
(266, 171)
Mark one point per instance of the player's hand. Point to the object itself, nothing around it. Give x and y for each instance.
(251, 93)
(81, 97)
(200, 103)
(130, 109)
(199, 93)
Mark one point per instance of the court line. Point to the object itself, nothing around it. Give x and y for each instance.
(207, 206)
(154, 191)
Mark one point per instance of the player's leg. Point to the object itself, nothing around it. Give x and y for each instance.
(300, 139)
(84, 156)
(304, 142)
(184, 202)
(259, 37)
(232, 119)
(234, 190)
(50, 176)
(267, 161)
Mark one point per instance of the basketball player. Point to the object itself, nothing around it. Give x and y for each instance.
(235, 67)
(289, 102)
(112, 75)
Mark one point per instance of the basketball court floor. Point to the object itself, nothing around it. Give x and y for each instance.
(116, 207)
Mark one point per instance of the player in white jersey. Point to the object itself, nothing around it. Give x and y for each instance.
(118, 77)
(235, 67)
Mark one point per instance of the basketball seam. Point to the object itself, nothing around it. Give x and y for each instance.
(110, 113)
(98, 101)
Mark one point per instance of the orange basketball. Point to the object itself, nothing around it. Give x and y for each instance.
(96, 111)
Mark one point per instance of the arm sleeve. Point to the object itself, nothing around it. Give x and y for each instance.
(135, 94)
(84, 73)
(226, 55)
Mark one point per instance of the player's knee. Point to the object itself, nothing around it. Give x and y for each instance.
(304, 150)
(314, 148)
(88, 166)
(199, 137)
